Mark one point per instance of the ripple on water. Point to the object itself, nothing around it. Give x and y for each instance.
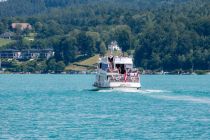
(62, 107)
(192, 99)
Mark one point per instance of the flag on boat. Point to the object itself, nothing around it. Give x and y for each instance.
(125, 76)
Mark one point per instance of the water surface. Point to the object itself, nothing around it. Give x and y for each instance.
(65, 107)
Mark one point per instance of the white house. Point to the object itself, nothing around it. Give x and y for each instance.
(114, 46)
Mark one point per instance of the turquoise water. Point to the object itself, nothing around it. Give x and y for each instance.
(65, 107)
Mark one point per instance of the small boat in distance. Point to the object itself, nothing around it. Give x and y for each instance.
(116, 71)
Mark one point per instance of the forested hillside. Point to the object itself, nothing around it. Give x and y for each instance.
(164, 34)
(30, 7)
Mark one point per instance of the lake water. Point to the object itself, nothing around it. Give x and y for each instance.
(65, 107)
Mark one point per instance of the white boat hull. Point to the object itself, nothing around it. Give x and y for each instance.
(117, 72)
(118, 85)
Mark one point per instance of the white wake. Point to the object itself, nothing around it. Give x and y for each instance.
(129, 90)
(202, 100)
(161, 94)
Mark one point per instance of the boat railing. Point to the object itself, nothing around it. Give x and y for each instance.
(132, 77)
(117, 71)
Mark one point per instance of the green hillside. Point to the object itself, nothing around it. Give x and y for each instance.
(87, 64)
(4, 42)
(31, 7)
(164, 34)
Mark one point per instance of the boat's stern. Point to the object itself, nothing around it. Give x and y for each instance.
(125, 85)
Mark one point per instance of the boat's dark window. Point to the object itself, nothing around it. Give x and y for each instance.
(111, 59)
(117, 66)
(121, 68)
(104, 67)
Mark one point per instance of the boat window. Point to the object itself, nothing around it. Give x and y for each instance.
(104, 67)
(121, 68)
(128, 66)
(100, 65)
(111, 58)
(117, 66)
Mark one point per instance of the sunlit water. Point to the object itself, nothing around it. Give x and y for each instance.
(67, 107)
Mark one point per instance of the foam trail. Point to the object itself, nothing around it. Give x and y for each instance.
(124, 90)
(154, 91)
(128, 90)
(183, 98)
(106, 90)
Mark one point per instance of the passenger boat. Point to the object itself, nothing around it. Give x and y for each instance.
(117, 72)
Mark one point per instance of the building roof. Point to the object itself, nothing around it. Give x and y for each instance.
(22, 26)
(37, 50)
(9, 50)
(27, 50)
(7, 35)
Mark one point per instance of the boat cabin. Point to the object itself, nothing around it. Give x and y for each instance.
(116, 64)
(116, 72)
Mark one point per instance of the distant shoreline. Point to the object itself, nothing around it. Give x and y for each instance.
(146, 72)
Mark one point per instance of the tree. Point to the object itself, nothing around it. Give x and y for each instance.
(54, 28)
(102, 48)
(59, 67)
(23, 44)
(202, 26)
(51, 65)
(38, 26)
(122, 35)
(69, 49)
(90, 45)
(86, 43)
(40, 44)
(55, 42)
(2, 28)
